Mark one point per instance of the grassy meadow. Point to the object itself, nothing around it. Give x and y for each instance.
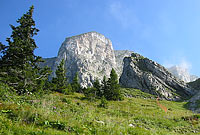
(59, 114)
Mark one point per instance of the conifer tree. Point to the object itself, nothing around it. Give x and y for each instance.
(113, 92)
(60, 80)
(97, 86)
(75, 84)
(104, 87)
(18, 62)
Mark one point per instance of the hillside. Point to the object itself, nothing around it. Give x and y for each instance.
(82, 94)
(59, 114)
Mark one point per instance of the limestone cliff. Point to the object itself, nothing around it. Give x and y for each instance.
(151, 77)
(48, 62)
(119, 56)
(90, 54)
(182, 73)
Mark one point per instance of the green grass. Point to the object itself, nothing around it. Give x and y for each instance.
(58, 114)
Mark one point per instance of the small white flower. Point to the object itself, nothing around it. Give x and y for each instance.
(131, 125)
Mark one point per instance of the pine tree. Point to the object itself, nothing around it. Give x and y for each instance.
(113, 92)
(18, 62)
(75, 83)
(42, 79)
(105, 88)
(97, 86)
(21, 43)
(60, 80)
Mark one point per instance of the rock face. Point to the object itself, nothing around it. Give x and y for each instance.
(194, 103)
(50, 62)
(149, 76)
(195, 84)
(119, 56)
(182, 73)
(90, 54)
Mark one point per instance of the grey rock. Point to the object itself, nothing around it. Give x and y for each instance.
(48, 62)
(119, 56)
(90, 54)
(195, 84)
(182, 73)
(149, 76)
(194, 103)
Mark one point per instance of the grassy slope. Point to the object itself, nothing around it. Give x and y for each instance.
(72, 114)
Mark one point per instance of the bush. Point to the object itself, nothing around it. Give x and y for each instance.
(90, 93)
(104, 103)
(68, 101)
(68, 90)
(6, 93)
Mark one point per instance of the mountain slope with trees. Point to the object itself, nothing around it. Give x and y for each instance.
(32, 103)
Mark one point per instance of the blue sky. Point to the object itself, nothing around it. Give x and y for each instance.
(166, 31)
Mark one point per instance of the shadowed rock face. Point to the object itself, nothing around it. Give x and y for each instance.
(48, 62)
(90, 54)
(194, 102)
(149, 76)
(119, 56)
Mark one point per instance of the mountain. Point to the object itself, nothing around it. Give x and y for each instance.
(194, 102)
(195, 84)
(182, 73)
(90, 54)
(119, 56)
(48, 62)
(149, 76)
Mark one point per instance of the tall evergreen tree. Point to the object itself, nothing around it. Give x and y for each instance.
(75, 83)
(18, 62)
(113, 91)
(21, 43)
(104, 88)
(60, 80)
(97, 86)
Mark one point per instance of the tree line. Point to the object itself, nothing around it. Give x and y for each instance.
(19, 67)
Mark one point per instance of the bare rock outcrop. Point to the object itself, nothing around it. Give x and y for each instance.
(90, 54)
(149, 76)
(119, 56)
(182, 73)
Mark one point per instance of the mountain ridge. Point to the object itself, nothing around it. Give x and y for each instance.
(92, 56)
(182, 73)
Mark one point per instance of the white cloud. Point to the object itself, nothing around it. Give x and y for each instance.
(123, 14)
(183, 63)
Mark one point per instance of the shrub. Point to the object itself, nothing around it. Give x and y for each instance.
(68, 90)
(90, 93)
(6, 93)
(104, 103)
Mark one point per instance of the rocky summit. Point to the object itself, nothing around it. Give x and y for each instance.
(182, 73)
(90, 54)
(149, 76)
